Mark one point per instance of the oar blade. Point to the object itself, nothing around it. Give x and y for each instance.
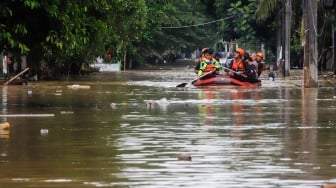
(182, 85)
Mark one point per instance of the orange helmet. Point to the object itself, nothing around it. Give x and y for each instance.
(260, 54)
(240, 51)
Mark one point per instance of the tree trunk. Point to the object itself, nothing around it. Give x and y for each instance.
(333, 60)
(125, 61)
(310, 71)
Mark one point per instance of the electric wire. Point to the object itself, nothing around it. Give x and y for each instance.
(195, 25)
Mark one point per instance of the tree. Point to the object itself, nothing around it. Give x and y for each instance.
(73, 32)
(265, 9)
(69, 32)
(180, 27)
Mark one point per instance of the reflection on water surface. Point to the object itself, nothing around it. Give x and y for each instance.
(127, 130)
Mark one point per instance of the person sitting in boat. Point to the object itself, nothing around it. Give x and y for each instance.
(239, 68)
(213, 59)
(198, 65)
(260, 62)
(252, 68)
(253, 61)
(208, 63)
(237, 65)
(216, 62)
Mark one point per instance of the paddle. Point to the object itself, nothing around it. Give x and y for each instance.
(9, 81)
(235, 72)
(248, 79)
(194, 80)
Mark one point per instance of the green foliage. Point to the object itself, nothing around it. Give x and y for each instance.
(67, 31)
(179, 28)
(242, 16)
(295, 43)
(265, 9)
(31, 4)
(75, 31)
(11, 30)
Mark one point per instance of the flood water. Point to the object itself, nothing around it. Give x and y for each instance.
(128, 129)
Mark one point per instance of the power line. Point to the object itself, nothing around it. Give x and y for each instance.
(195, 25)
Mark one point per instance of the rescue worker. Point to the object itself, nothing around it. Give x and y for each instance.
(208, 63)
(237, 65)
(240, 68)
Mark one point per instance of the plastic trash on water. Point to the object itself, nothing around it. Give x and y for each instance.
(30, 90)
(4, 126)
(44, 131)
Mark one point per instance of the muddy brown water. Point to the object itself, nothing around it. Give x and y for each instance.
(129, 128)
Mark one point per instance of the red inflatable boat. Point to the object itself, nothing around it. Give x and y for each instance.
(223, 80)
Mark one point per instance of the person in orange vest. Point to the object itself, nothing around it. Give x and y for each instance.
(240, 69)
(237, 65)
(208, 63)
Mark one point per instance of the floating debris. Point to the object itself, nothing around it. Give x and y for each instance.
(184, 157)
(4, 126)
(44, 131)
(66, 112)
(76, 86)
(113, 105)
(27, 115)
(30, 90)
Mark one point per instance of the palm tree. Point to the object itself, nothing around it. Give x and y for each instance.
(264, 10)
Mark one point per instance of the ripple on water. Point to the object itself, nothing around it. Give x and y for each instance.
(152, 157)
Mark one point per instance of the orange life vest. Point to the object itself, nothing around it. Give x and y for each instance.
(206, 66)
(209, 67)
(238, 65)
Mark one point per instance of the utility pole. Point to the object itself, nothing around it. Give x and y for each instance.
(288, 16)
(285, 36)
(310, 72)
(334, 48)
